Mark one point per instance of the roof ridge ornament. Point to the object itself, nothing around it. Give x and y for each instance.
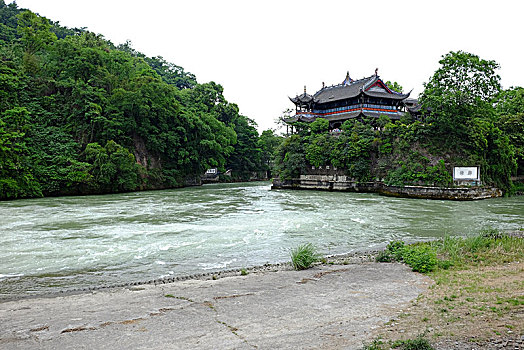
(348, 80)
(376, 72)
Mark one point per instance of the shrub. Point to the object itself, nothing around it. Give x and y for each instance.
(385, 256)
(393, 252)
(421, 258)
(397, 249)
(304, 256)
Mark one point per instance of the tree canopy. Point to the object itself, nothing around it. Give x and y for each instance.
(81, 115)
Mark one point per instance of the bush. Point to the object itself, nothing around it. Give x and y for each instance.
(393, 252)
(304, 256)
(385, 256)
(396, 248)
(421, 258)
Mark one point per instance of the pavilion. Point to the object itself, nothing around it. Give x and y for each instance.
(367, 97)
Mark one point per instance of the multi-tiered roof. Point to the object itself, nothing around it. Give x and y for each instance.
(369, 97)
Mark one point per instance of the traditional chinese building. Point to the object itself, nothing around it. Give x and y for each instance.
(367, 97)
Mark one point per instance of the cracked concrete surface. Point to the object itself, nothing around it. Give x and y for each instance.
(327, 307)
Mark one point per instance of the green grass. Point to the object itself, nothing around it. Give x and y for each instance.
(487, 248)
(476, 278)
(490, 247)
(304, 256)
(376, 344)
(419, 343)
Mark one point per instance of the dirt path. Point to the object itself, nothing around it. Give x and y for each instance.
(327, 307)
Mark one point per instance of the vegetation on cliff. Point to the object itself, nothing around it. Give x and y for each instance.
(80, 115)
(467, 120)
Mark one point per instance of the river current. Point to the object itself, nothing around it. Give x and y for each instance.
(51, 244)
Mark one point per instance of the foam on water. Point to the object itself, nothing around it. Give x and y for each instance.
(75, 242)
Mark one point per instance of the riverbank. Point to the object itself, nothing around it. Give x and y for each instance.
(476, 301)
(477, 308)
(473, 301)
(328, 306)
(341, 183)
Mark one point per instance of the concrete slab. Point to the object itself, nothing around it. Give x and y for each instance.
(327, 307)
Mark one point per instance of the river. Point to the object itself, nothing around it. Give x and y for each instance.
(51, 244)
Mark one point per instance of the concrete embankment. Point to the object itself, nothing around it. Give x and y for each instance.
(343, 183)
(326, 307)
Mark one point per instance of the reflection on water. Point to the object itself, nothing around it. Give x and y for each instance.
(73, 242)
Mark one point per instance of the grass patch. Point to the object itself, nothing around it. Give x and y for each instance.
(376, 344)
(488, 248)
(419, 343)
(304, 256)
(478, 283)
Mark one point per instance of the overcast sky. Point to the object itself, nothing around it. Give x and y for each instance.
(261, 52)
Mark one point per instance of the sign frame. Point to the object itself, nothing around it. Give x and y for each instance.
(466, 173)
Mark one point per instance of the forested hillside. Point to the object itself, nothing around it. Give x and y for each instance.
(467, 119)
(79, 115)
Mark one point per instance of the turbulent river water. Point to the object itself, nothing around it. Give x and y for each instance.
(52, 244)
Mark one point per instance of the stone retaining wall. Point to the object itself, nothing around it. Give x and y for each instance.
(343, 183)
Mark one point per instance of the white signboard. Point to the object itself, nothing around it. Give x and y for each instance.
(466, 173)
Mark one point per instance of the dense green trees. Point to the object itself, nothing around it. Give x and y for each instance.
(290, 158)
(460, 100)
(467, 120)
(394, 86)
(461, 89)
(510, 109)
(16, 177)
(79, 115)
(268, 143)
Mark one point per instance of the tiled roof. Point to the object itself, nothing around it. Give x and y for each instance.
(343, 91)
(394, 96)
(348, 90)
(302, 99)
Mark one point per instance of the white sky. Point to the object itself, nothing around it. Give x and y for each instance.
(261, 52)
